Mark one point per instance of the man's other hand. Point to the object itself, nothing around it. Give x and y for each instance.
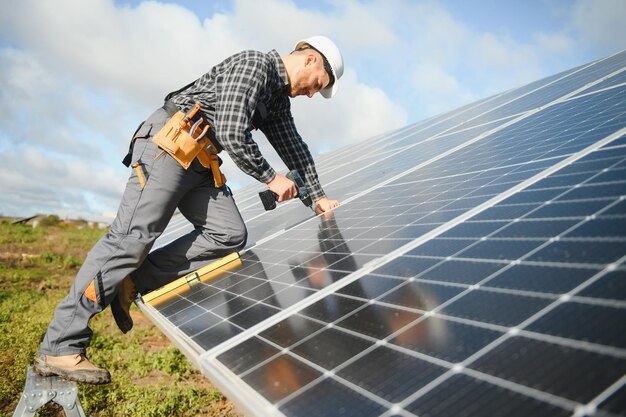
(283, 187)
(325, 204)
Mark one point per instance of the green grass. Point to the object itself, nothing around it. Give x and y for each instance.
(150, 378)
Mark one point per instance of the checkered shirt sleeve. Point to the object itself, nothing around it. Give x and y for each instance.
(281, 131)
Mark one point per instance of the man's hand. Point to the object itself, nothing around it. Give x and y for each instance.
(324, 204)
(283, 187)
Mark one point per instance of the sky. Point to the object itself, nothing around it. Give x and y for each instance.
(78, 76)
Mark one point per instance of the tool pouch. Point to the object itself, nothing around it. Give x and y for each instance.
(175, 139)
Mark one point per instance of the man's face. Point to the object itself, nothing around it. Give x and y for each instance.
(311, 78)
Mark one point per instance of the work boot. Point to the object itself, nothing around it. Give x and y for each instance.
(74, 367)
(120, 305)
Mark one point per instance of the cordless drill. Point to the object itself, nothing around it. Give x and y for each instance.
(269, 198)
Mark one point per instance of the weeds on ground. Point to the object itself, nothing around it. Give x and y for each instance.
(150, 378)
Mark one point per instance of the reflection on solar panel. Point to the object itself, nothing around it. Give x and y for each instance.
(476, 267)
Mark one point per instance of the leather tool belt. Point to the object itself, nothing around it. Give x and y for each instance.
(185, 139)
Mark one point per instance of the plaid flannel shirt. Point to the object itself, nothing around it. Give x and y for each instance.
(252, 87)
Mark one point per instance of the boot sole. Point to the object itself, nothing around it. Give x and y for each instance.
(88, 377)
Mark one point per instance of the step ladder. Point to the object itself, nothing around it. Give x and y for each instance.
(40, 390)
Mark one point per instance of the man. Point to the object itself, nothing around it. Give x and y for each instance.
(246, 91)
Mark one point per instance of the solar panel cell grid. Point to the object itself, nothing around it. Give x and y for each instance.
(467, 274)
(503, 309)
(338, 400)
(611, 286)
(571, 373)
(400, 376)
(555, 279)
(585, 322)
(613, 81)
(464, 396)
(480, 306)
(248, 354)
(280, 377)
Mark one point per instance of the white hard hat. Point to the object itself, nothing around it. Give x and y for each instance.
(329, 50)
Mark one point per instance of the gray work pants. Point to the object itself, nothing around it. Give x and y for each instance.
(141, 218)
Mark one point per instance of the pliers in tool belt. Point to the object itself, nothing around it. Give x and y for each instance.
(195, 126)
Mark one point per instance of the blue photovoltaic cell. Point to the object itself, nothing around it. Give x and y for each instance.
(438, 339)
(615, 80)
(462, 395)
(475, 267)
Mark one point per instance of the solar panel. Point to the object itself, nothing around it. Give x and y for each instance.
(475, 267)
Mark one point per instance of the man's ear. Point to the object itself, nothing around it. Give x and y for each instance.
(310, 60)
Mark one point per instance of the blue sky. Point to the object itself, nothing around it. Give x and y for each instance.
(76, 77)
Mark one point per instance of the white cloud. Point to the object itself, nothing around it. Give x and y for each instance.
(77, 77)
(441, 88)
(33, 181)
(559, 44)
(451, 62)
(507, 63)
(84, 77)
(601, 23)
(364, 112)
(139, 52)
